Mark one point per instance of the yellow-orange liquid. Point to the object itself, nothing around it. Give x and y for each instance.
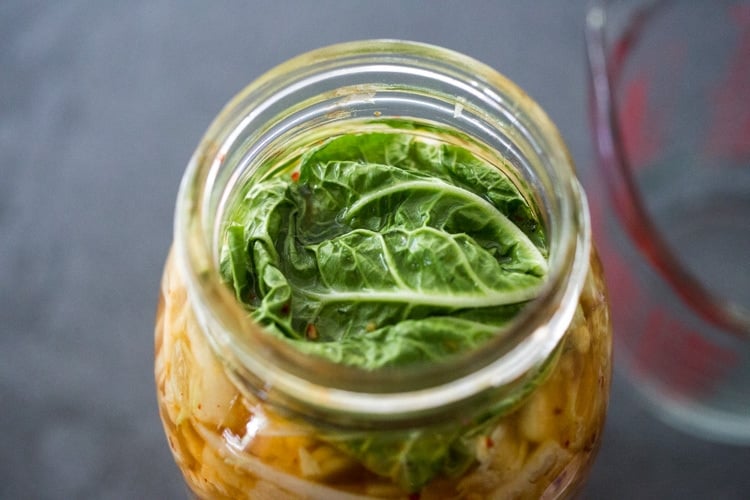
(230, 446)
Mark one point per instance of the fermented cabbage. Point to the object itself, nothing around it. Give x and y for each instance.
(229, 445)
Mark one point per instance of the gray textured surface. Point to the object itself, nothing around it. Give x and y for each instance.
(101, 104)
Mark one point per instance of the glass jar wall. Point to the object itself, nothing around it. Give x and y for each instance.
(248, 416)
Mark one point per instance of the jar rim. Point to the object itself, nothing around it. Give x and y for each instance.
(257, 360)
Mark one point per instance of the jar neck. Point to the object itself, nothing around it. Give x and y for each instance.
(344, 84)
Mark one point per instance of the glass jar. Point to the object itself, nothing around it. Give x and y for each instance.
(248, 416)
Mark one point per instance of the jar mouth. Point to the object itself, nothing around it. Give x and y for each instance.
(344, 82)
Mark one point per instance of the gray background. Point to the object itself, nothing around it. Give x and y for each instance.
(101, 105)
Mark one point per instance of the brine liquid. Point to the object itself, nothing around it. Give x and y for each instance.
(230, 445)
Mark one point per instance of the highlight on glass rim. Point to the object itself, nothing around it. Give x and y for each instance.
(382, 285)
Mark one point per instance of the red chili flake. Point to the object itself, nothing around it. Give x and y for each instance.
(488, 442)
(311, 332)
(557, 410)
(295, 176)
(285, 309)
(414, 496)
(566, 444)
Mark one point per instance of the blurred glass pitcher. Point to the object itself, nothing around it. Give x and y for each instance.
(670, 111)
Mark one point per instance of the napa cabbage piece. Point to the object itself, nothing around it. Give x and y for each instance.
(388, 249)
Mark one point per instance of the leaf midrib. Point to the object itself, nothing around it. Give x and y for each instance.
(498, 216)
